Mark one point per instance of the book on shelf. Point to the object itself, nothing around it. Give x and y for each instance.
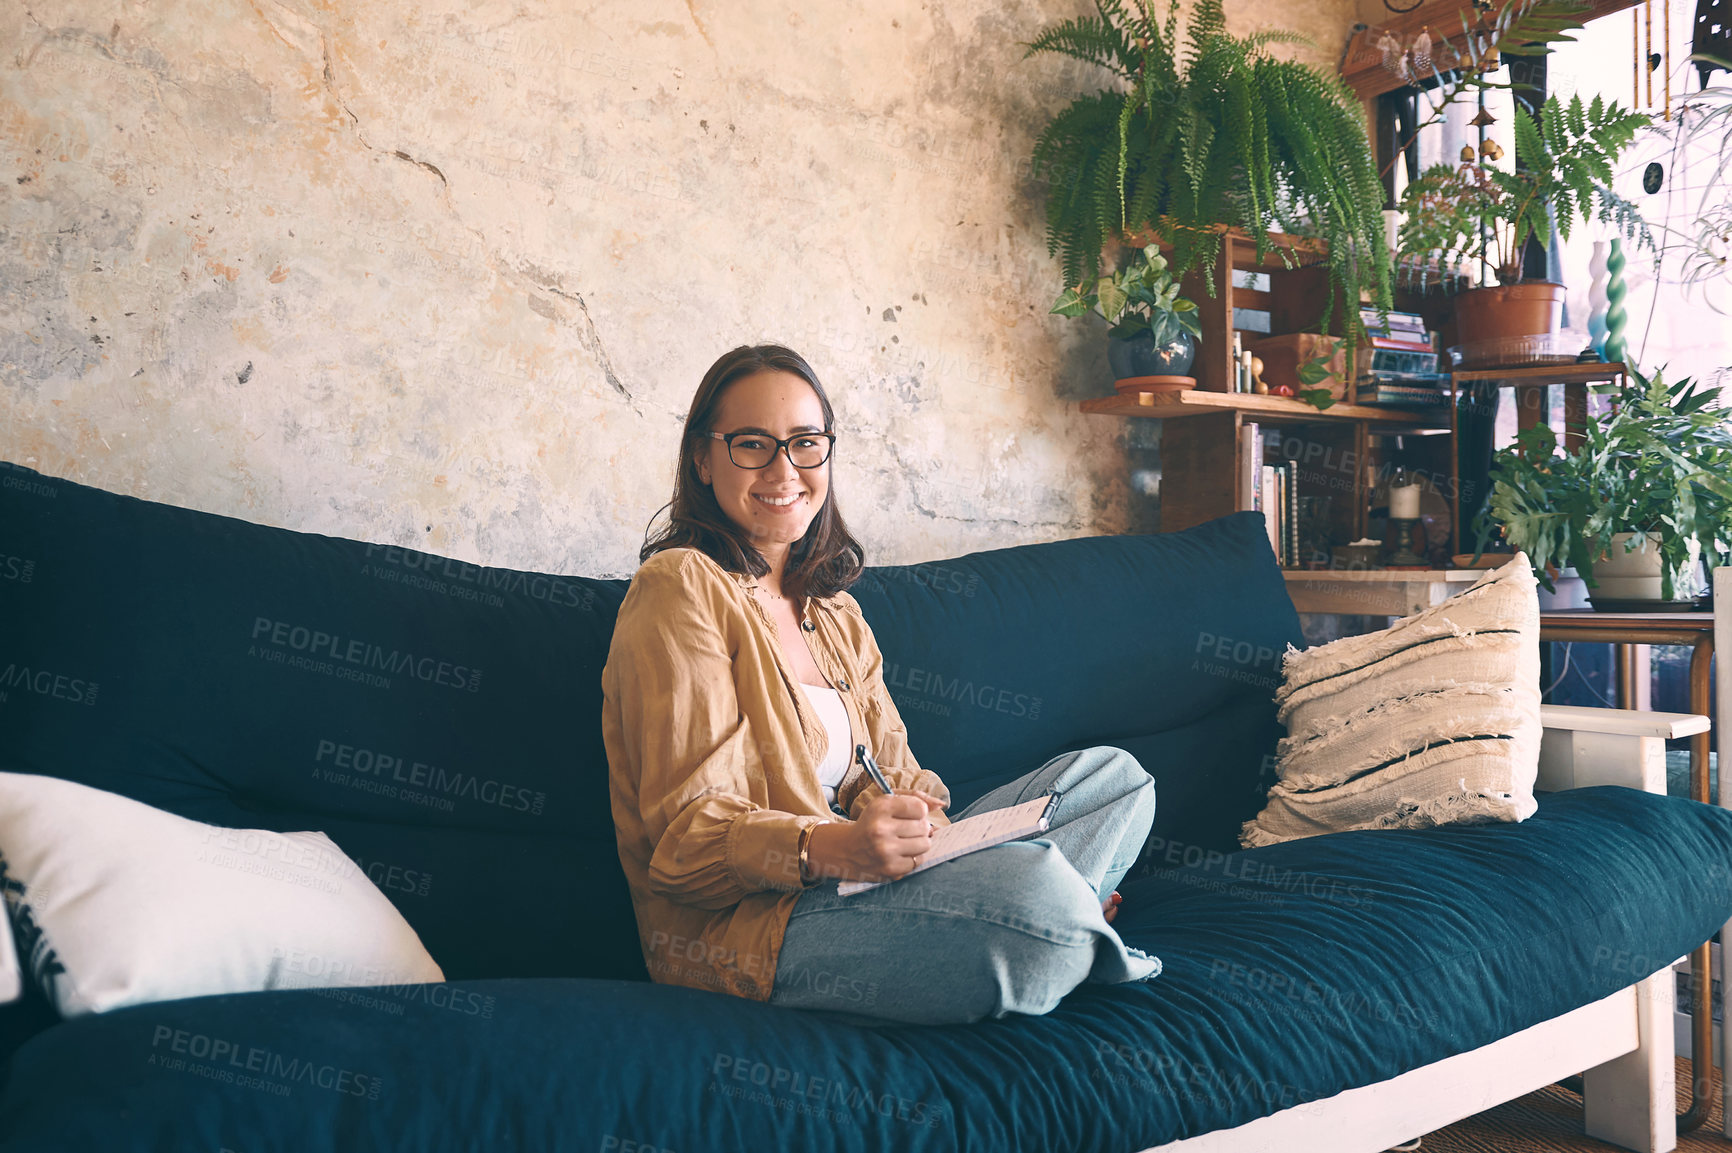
(1272, 501)
(1437, 380)
(1290, 553)
(1279, 490)
(1402, 395)
(1250, 476)
(1388, 361)
(1403, 343)
(1271, 489)
(1399, 322)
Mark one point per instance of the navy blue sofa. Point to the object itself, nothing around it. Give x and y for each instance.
(464, 770)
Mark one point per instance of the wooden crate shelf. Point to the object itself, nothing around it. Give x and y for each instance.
(1339, 451)
(1265, 409)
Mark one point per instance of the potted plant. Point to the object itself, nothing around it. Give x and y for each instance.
(1152, 339)
(1477, 211)
(1192, 139)
(1648, 488)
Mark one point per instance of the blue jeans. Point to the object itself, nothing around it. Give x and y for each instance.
(1010, 929)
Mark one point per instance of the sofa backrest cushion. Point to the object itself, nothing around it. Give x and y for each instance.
(440, 721)
(1166, 645)
(437, 720)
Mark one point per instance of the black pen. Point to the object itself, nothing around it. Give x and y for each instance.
(872, 769)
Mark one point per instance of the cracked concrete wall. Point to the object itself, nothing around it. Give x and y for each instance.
(446, 276)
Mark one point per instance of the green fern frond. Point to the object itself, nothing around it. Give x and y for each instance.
(1224, 136)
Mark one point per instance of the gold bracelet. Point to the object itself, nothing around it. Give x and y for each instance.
(805, 846)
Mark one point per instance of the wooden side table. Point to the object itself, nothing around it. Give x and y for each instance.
(1695, 630)
(1375, 592)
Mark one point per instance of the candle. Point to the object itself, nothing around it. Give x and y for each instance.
(1404, 502)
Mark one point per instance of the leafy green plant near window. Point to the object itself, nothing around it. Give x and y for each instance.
(1141, 297)
(1204, 135)
(1476, 211)
(1659, 463)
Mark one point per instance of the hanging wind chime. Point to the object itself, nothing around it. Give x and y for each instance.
(1642, 53)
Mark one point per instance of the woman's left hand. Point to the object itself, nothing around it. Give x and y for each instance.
(933, 804)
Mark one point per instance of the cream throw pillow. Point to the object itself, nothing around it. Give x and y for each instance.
(11, 977)
(116, 903)
(1432, 721)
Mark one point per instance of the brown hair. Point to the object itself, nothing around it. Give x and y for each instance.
(823, 562)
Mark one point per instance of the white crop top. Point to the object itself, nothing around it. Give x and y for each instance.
(828, 703)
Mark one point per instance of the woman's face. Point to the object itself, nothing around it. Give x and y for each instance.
(778, 404)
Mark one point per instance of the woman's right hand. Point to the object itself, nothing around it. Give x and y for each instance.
(891, 834)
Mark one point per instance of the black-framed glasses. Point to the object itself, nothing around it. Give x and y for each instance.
(758, 449)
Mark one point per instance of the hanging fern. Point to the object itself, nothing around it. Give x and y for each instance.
(1218, 135)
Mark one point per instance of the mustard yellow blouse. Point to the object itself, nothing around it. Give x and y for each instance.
(712, 762)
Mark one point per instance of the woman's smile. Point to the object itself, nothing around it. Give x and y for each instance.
(779, 502)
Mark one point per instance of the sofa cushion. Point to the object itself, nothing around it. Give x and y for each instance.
(1292, 973)
(121, 904)
(1165, 645)
(1434, 720)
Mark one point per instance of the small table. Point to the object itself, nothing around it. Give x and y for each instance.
(1696, 630)
(1375, 592)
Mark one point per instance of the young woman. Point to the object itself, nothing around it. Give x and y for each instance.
(740, 678)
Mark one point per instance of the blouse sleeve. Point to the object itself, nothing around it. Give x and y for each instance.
(670, 683)
(889, 740)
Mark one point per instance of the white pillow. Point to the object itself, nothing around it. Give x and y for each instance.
(117, 903)
(11, 979)
(1434, 720)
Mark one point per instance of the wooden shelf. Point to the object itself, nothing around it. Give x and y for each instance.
(1269, 409)
(1284, 250)
(1546, 373)
(1362, 63)
(1209, 468)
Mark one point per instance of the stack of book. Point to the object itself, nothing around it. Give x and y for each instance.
(1273, 490)
(1401, 367)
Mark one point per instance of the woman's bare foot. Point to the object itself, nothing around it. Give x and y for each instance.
(1110, 906)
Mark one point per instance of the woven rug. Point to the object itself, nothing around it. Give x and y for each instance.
(1550, 1120)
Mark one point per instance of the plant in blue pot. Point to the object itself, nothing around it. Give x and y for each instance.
(1152, 340)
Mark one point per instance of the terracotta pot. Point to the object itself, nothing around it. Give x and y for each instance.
(1157, 384)
(1497, 312)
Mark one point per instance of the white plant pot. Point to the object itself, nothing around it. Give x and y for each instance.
(1636, 575)
(1572, 592)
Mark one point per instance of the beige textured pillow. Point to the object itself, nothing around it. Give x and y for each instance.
(1432, 721)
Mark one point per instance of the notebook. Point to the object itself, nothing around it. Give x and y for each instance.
(971, 834)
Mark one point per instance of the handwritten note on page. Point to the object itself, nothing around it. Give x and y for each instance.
(981, 831)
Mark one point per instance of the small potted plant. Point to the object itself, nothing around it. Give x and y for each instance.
(1152, 340)
(1634, 507)
(1478, 212)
